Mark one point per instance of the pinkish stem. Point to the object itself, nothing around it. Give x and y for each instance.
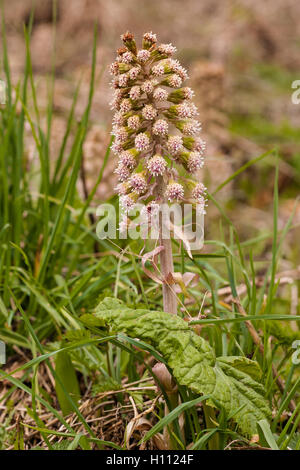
(167, 267)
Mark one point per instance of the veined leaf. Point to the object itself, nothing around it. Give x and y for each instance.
(231, 381)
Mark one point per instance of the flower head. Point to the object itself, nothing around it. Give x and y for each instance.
(185, 110)
(150, 210)
(174, 192)
(175, 145)
(116, 147)
(129, 42)
(117, 97)
(123, 225)
(167, 49)
(149, 112)
(121, 134)
(188, 93)
(123, 80)
(142, 142)
(173, 81)
(160, 128)
(160, 94)
(127, 159)
(138, 183)
(148, 86)
(149, 39)
(122, 189)
(118, 119)
(143, 55)
(201, 204)
(125, 105)
(134, 72)
(195, 161)
(157, 165)
(158, 70)
(114, 68)
(200, 145)
(135, 93)
(198, 191)
(128, 202)
(123, 172)
(134, 122)
(127, 57)
(191, 127)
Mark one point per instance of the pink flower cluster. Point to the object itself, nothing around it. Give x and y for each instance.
(155, 125)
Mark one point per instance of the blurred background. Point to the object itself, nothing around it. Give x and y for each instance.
(242, 55)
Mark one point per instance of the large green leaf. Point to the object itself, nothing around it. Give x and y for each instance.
(231, 381)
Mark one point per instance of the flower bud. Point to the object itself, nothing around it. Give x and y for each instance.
(149, 39)
(123, 67)
(128, 40)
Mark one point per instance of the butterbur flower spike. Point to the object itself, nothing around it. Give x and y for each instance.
(155, 126)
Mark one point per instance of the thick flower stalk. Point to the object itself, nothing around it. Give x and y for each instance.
(156, 130)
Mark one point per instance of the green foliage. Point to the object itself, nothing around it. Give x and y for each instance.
(66, 380)
(282, 332)
(231, 381)
(105, 385)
